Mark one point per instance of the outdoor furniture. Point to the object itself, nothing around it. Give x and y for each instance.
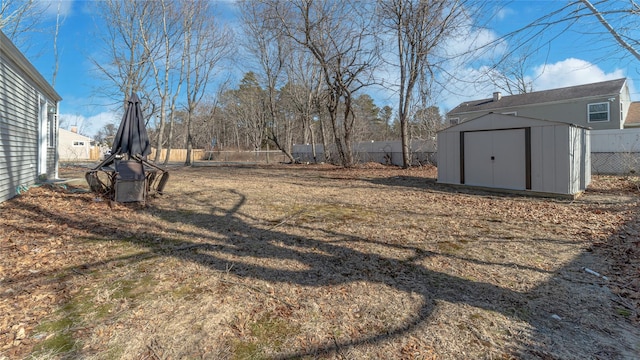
(122, 180)
(126, 175)
(130, 182)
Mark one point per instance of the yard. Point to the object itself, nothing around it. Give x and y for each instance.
(289, 262)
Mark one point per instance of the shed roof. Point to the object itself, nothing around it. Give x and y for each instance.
(605, 88)
(503, 121)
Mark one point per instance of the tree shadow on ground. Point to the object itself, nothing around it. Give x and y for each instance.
(235, 241)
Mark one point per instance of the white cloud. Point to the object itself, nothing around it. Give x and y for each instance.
(89, 125)
(472, 43)
(473, 84)
(504, 13)
(56, 7)
(468, 84)
(570, 72)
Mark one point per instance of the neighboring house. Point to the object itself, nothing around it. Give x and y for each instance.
(633, 116)
(28, 123)
(599, 106)
(73, 146)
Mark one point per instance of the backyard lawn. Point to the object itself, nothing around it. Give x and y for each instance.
(316, 261)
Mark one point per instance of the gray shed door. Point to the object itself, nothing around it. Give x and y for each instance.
(496, 158)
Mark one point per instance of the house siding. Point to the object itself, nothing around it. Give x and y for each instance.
(67, 151)
(573, 112)
(20, 112)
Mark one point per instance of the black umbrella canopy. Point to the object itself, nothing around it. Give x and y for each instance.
(132, 138)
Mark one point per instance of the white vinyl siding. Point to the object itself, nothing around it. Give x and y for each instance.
(22, 125)
(598, 112)
(19, 128)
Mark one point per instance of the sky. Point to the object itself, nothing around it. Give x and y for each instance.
(579, 55)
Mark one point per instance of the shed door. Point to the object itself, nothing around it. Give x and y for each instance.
(496, 158)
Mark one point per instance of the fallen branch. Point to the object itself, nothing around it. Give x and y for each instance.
(257, 290)
(286, 219)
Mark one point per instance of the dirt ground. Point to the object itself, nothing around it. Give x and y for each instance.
(315, 261)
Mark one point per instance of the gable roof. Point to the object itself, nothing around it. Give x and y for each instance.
(73, 135)
(503, 121)
(11, 51)
(633, 116)
(611, 87)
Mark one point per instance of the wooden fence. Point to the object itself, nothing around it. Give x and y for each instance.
(177, 155)
(95, 153)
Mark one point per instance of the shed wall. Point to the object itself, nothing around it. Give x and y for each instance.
(559, 152)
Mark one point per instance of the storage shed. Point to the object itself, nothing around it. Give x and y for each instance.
(516, 153)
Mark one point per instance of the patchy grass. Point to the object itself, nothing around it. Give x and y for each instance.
(319, 262)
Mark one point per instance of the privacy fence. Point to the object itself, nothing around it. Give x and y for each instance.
(421, 152)
(176, 155)
(612, 152)
(615, 151)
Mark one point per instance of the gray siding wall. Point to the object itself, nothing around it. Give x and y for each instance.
(19, 126)
(573, 112)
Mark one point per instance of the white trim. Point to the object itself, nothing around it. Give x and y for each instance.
(43, 134)
(513, 113)
(589, 112)
(621, 114)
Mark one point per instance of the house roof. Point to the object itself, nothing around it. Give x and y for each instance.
(12, 52)
(611, 87)
(633, 116)
(74, 135)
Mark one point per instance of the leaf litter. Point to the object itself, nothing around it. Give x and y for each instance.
(319, 262)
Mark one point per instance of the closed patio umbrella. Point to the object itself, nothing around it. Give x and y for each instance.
(132, 138)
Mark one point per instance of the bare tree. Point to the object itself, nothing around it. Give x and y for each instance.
(341, 37)
(419, 28)
(205, 45)
(301, 95)
(160, 42)
(55, 46)
(624, 34)
(510, 75)
(267, 42)
(600, 21)
(124, 62)
(19, 18)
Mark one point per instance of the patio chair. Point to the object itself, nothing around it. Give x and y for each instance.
(130, 181)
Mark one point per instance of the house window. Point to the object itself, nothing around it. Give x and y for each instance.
(598, 112)
(78, 143)
(454, 121)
